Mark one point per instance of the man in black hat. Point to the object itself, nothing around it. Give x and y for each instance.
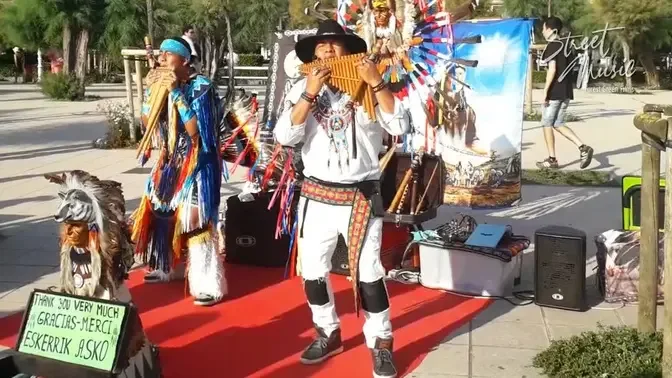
(340, 190)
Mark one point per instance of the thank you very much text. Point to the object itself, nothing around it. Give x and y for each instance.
(72, 329)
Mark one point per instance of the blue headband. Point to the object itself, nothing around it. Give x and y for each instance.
(174, 47)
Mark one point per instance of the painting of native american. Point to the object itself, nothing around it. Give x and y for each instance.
(476, 119)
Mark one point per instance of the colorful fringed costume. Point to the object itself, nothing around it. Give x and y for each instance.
(179, 209)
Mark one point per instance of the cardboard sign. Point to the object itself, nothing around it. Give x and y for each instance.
(77, 330)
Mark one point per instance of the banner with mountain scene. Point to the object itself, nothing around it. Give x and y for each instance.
(480, 116)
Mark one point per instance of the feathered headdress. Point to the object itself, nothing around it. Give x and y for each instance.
(387, 4)
(99, 206)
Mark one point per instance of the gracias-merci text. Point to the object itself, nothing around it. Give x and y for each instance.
(76, 315)
(594, 42)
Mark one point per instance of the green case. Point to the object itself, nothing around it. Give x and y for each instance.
(631, 190)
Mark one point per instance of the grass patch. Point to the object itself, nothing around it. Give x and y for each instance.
(535, 115)
(568, 178)
(608, 352)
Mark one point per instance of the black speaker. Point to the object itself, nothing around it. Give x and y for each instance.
(249, 232)
(560, 268)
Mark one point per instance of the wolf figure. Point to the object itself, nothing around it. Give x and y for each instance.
(96, 249)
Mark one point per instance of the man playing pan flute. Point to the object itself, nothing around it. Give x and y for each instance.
(340, 190)
(179, 209)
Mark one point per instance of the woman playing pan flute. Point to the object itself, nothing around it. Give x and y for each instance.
(180, 206)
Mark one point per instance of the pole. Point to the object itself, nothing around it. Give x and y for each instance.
(648, 269)
(39, 65)
(150, 19)
(141, 93)
(667, 313)
(129, 93)
(528, 84)
(549, 8)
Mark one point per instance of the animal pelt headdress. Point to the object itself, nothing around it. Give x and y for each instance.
(92, 213)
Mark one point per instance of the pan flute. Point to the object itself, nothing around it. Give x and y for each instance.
(157, 101)
(344, 76)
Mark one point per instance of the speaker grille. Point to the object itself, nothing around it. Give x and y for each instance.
(560, 255)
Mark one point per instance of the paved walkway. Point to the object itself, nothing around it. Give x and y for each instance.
(39, 137)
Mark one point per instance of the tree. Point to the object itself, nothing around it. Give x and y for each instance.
(569, 11)
(211, 18)
(83, 16)
(24, 24)
(483, 10)
(299, 20)
(256, 20)
(525, 8)
(125, 26)
(647, 27)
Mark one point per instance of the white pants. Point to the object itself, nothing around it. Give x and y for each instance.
(321, 227)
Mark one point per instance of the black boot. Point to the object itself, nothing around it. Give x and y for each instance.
(383, 363)
(322, 347)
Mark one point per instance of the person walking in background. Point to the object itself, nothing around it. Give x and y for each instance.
(189, 35)
(558, 92)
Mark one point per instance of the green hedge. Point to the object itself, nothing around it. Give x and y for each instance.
(539, 77)
(609, 352)
(7, 70)
(250, 60)
(61, 87)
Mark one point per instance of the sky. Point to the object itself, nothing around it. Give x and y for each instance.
(500, 55)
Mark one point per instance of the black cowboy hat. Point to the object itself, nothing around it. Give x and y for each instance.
(329, 29)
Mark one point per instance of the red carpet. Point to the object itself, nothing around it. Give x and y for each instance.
(262, 328)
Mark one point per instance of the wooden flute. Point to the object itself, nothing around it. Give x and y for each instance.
(153, 63)
(400, 192)
(414, 192)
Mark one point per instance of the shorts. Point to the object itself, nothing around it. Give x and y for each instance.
(553, 115)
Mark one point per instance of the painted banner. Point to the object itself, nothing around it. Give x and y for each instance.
(481, 117)
(283, 72)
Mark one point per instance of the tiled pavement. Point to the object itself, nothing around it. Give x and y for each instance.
(38, 137)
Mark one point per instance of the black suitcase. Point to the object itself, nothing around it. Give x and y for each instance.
(249, 232)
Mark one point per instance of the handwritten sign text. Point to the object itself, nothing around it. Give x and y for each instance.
(73, 330)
